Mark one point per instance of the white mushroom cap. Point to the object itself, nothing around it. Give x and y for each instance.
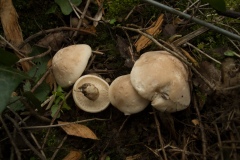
(90, 93)
(69, 63)
(124, 97)
(163, 79)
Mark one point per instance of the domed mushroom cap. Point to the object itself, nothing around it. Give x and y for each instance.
(69, 63)
(163, 79)
(90, 93)
(124, 97)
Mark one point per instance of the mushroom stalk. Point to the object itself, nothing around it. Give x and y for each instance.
(90, 91)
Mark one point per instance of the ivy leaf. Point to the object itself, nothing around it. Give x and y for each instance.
(219, 5)
(65, 6)
(9, 80)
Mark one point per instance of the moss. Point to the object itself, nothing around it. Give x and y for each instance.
(119, 8)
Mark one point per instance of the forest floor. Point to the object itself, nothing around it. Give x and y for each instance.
(208, 129)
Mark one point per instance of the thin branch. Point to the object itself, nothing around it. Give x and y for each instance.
(41, 80)
(37, 56)
(159, 134)
(18, 153)
(219, 141)
(200, 51)
(13, 47)
(25, 138)
(58, 148)
(82, 17)
(204, 141)
(40, 33)
(59, 125)
(31, 134)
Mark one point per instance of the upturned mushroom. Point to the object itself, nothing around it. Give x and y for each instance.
(69, 63)
(90, 93)
(124, 97)
(163, 79)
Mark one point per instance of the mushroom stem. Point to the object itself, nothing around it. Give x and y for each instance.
(90, 91)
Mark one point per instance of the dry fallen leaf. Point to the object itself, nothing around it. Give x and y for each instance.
(78, 130)
(74, 155)
(153, 30)
(195, 122)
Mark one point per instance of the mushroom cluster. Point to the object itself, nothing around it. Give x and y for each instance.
(156, 76)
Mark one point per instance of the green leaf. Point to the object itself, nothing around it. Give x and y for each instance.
(54, 109)
(7, 58)
(65, 5)
(219, 5)
(27, 86)
(229, 53)
(66, 106)
(9, 80)
(112, 21)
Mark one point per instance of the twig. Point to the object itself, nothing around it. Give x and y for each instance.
(233, 146)
(25, 139)
(154, 152)
(231, 88)
(90, 18)
(219, 141)
(58, 148)
(124, 122)
(53, 96)
(97, 52)
(33, 112)
(31, 134)
(204, 141)
(159, 134)
(37, 56)
(41, 80)
(18, 153)
(184, 147)
(82, 17)
(200, 51)
(13, 47)
(235, 47)
(53, 30)
(59, 125)
(90, 62)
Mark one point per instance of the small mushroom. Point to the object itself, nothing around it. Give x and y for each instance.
(163, 79)
(124, 97)
(90, 93)
(69, 63)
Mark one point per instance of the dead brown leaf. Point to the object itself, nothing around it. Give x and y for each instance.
(78, 130)
(74, 155)
(154, 29)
